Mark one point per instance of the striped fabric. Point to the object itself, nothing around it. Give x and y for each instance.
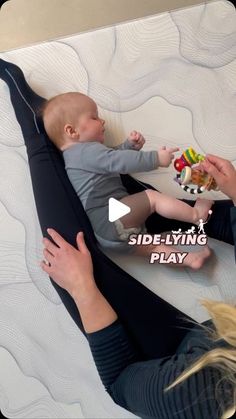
(112, 352)
(139, 386)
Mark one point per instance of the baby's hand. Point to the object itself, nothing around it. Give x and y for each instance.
(136, 140)
(166, 155)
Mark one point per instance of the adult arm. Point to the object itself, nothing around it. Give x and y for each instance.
(224, 174)
(140, 386)
(72, 270)
(137, 386)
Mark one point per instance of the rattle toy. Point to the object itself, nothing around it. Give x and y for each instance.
(193, 175)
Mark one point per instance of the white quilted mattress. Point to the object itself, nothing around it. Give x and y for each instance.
(171, 76)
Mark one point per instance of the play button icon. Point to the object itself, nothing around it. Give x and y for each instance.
(117, 209)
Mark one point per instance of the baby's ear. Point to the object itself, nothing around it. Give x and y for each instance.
(71, 131)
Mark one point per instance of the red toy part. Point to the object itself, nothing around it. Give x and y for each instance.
(180, 164)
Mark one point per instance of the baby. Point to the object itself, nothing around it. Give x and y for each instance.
(72, 123)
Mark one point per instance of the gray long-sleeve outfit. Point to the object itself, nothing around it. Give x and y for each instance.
(94, 171)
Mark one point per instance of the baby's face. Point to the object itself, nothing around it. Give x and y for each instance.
(89, 124)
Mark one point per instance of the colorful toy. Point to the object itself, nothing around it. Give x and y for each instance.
(188, 158)
(193, 175)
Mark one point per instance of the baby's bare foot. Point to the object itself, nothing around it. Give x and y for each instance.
(201, 209)
(196, 260)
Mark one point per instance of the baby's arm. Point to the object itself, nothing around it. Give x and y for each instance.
(126, 145)
(98, 158)
(135, 141)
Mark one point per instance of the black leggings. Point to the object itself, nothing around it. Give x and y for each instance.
(155, 326)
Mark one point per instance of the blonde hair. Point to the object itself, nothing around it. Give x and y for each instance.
(58, 111)
(224, 318)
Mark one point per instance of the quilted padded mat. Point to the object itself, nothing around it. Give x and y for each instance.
(171, 76)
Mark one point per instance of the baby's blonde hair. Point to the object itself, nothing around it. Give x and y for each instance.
(224, 319)
(58, 111)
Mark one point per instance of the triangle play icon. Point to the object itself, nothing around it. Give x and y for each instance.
(117, 210)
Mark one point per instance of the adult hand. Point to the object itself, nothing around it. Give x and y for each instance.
(70, 268)
(165, 155)
(224, 174)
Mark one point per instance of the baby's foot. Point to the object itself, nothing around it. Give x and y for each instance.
(201, 209)
(196, 260)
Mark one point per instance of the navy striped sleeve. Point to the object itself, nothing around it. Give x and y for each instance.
(139, 386)
(112, 351)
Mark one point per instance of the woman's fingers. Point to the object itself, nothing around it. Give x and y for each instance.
(45, 267)
(224, 174)
(213, 171)
(57, 238)
(48, 256)
(218, 162)
(222, 166)
(60, 242)
(218, 167)
(81, 243)
(52, 248)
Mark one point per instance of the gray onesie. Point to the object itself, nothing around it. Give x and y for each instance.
(94, 171)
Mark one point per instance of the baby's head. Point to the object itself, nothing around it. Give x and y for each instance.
(70, 118)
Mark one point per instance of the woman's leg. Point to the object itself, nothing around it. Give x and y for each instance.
(155, 326)
(46, 167)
